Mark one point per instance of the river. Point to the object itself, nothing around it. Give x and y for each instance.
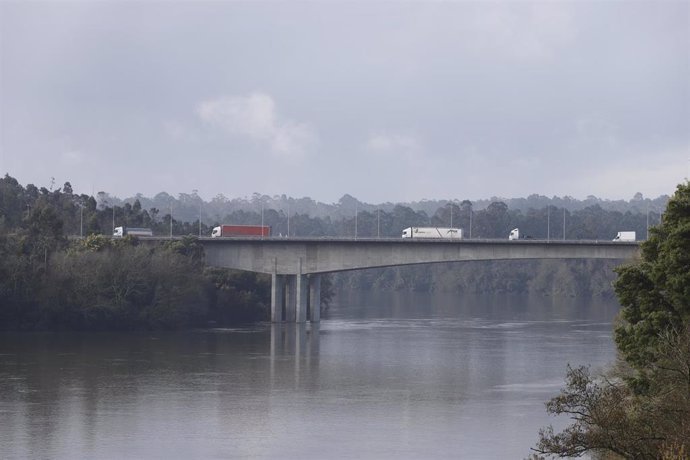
(383, 376)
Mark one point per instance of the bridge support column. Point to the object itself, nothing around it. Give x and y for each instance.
(277, 297)
(290, 298)
(301, 290)
(315, 297)
(293, 292)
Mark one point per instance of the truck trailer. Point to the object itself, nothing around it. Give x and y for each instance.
(241, 231)
(134, 231)
(625, 236)
(433, 233)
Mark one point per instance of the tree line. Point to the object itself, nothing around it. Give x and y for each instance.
(51, 280)
(543, 277)
(60, 269)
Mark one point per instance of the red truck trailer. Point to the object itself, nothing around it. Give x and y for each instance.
(241, 230)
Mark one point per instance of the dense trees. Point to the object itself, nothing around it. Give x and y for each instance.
(655, 293)
(102, 283)
(51, 281)
(641, 409)
(83, 214)
(544, 277)
(41, 256)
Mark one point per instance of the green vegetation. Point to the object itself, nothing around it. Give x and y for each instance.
(572, 278)
(640, 409)
(49, 281)
(571, 220)
(51, 278)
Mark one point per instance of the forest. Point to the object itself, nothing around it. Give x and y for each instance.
(60, 268)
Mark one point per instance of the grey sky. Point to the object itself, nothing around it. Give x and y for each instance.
(389, 101)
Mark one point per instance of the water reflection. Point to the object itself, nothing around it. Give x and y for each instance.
(295, 345)
(381, 377)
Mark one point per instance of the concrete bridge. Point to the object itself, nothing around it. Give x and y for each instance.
(295, 264)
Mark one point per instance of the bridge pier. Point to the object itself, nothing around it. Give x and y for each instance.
(290, 298)
(277, 297)
(301, 286)
(291, 293)
(315, 297)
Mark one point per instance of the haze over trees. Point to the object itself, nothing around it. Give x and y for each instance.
(51, 279)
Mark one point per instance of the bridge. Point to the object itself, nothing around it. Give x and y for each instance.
(296, 264)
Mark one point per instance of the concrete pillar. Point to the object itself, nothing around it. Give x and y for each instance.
(291, 298)
(277, 297)
(301, 289)
(315, 297)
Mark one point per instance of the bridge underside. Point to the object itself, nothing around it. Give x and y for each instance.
(295, 264)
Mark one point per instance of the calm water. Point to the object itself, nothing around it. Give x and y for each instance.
(383, 376)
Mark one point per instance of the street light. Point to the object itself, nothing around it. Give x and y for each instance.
(452, 205)
(548, 222)
(451, 215)
(196, 193)
(378, 223)
(468, 204)
(356, 219)
(262, 219)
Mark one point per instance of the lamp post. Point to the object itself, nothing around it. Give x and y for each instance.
(196, 193)
(107, 203)
(548, 222)
(262, 219)
(378, 223)
(356, 212)
(452, 205)
(451, 215)
(467, 204)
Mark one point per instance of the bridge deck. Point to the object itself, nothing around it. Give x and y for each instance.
(295, 263)
(323, 255)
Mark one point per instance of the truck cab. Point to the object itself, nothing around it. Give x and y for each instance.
(625, 236)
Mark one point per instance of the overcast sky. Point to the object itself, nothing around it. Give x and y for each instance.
(388, 101)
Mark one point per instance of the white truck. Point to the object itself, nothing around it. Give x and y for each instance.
(514, 234)
(625, 236)
(134, 231)
(432, 233)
